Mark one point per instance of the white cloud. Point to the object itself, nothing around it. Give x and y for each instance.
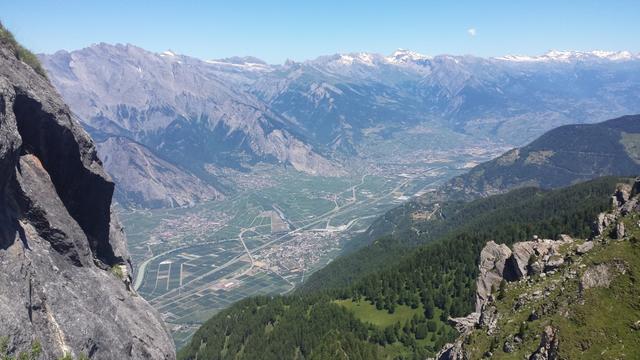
(472, 32)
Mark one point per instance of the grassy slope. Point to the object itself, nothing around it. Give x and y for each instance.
(596, 324)
(366, 312)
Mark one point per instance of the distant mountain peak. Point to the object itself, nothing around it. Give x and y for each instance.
(403, 56)
(570, 56)
(168, 53)
(363, 58)
(244, 62)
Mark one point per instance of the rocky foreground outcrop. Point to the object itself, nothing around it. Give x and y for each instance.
(542, 272)
(64, 266)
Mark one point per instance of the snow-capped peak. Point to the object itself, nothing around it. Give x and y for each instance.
(403, 56)
(359, 58)
(568, 56)
(256, 65)
(168, 53)
(613, 55)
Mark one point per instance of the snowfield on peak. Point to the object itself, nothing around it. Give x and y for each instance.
(571, 56)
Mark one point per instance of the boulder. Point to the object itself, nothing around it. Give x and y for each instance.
(584, 247)
(492, 264)
(614, 203)
(553, 263)
(596, 276)
(509, 346)
(623, 194)
(453, 351)
(620, 230)
(535, 268)
(629, 206)
(602, 223)
(465, 324)
(565, 238)
(488, 317)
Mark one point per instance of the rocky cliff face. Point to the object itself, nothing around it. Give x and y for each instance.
(145, 179)
(64, 266)
(544, 299)
(191, 113)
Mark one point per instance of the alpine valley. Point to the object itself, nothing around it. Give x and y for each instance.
(331, 198)
(355, 206)
(237, 178)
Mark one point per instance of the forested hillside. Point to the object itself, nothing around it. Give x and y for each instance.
(561, 157)
(400, 311)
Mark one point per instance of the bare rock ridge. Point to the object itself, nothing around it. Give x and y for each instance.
(144, 178)
(64, 265)
(530, 262)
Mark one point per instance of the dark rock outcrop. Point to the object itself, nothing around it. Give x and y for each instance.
(549, 345)
(63, 258)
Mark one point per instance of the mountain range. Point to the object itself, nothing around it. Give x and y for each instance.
(185, 121)
(561, 157)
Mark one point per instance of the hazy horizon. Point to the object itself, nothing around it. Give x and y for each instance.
(165, 51)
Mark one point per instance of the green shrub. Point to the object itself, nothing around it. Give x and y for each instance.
(501, 290)
(20, 52)
(36, 351)
(117, 271)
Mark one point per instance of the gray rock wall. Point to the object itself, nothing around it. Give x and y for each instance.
(64, 264)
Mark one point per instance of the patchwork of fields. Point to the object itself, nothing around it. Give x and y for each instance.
(192, 262)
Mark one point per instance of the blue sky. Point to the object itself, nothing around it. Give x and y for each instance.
(303, 29)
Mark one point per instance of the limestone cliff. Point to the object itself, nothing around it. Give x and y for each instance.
(64, 266)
